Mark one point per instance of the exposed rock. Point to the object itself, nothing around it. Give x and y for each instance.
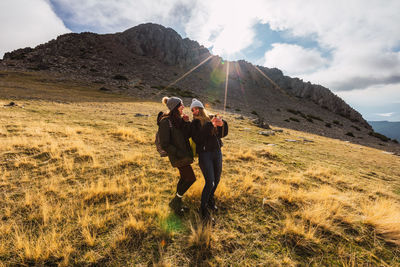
(141, 115)
(390, 153)
(11, 104)
(267, 133)
(162, 43)
(268, 144)
(261, 123)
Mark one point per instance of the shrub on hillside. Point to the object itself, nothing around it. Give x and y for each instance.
(302, 114)
(291, 111)
(337, 123)
(350, 134)
(120, 77)
(379, 136)
(314, 117)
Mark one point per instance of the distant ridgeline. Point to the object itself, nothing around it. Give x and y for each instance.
(143, 60)
(388, 128)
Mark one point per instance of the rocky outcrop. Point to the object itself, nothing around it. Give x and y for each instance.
(318, 94)
(162, 43)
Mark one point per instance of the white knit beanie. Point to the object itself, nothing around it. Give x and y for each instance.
(196, 104)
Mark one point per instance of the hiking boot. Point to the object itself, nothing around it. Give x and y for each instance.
(211, 205)
(206, 217)
(177, 207)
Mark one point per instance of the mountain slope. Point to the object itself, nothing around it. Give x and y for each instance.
(143, 60)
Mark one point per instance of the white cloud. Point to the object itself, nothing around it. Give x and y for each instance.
(385, 114)
(27, 23)
(293, 59)
(118, 15)
(373, 95)
(362, 37)
(227, 26)
(382, 99)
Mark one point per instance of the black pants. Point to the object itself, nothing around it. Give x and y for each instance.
(211, 166)
(186, 180)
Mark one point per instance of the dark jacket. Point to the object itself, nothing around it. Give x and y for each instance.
(204, 137)
(176, 142)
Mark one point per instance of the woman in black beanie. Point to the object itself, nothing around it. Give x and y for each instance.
(174, 132)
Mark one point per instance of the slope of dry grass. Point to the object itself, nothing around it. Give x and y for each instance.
(81, 183)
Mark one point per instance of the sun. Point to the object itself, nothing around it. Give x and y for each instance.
(230, 41)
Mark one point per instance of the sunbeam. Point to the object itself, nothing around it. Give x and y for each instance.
(271, 81)
(187, 73)
(226, 85)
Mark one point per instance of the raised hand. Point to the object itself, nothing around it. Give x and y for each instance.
(217, 122)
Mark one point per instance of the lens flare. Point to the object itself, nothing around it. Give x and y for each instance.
(226, 84)
(187, 73)
(239, 75)
(270, 80)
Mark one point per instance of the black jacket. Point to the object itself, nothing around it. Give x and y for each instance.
(204, 137)
(176, 142)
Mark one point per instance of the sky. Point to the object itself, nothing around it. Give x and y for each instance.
(351, 47)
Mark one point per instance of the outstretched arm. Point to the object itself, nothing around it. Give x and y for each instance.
(223, 130)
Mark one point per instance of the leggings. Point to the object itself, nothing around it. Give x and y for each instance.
(186, 180)
(211, 166)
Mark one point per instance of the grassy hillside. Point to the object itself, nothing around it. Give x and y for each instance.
(81, 183)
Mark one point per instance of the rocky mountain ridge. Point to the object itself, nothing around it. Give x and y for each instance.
(143, 60)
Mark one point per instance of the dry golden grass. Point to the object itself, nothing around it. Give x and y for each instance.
(81, 183)
(200, 236)
(384, 215)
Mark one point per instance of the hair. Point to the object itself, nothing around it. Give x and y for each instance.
(173, 115)
(203, 118)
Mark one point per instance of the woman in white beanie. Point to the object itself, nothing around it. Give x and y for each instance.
(174, 132)
(207, 133)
